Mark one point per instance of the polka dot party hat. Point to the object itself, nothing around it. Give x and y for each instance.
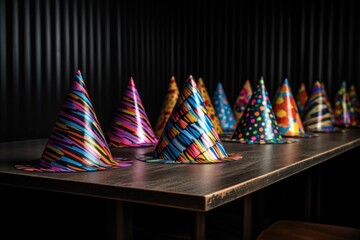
(344, 113)
(242, 100)
(223, 109)
(167, 106)
(287, 114)
(77, 143)
(130, 126)
(301, 98)
(258, 123)
(209, 106)
(317, 117)
(189, 135)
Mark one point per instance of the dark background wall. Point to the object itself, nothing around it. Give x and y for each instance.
(43, 43)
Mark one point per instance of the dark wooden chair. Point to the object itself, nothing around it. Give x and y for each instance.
(297, 230)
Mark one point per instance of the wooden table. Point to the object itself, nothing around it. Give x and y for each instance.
(195, 187)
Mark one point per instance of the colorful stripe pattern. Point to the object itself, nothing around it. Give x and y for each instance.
(209, 106)
(355, 103)
(344, 112)
(258, 123)
(242, 100)
(77, 142)
(223, 110)
(328, 102)
(286, 112)
(130, 126)
(189, 135)
(301, 98)
(167, 107)
(317, 116)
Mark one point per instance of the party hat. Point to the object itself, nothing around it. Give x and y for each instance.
(77, 142)
(355, 103)
(301, 98)
(242, 100)
(317, 117)
(286, 112)
(258, 123)
(328, 102)
(344, 112)
(189, 135)
(223, 110)
(209, 106)
(167, 106)
(130, 126)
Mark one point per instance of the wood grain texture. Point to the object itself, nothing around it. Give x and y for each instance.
(295, 230)
(197, 187)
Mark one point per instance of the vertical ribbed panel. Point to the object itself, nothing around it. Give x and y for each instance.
(43, 43)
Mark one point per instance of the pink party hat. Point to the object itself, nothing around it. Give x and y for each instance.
(167, 106)
(355, 103)
(286, 112)
(242, 100)
(344, 112)
(258, 123)
(301, 98)
(317, 117)
(77, 143)
(130, 126)
(189, 135)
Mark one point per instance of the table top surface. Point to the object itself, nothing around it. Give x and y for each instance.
(196, 187)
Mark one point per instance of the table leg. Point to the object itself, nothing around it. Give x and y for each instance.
(247, 217)
(123, 221)
(199, 228)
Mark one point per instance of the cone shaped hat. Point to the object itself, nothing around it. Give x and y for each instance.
(130, 126)
(258, 123)
(189, 135)
(317, 116)
(242, 100)
(77, 142)
(286, 112)
(344, 112)
(223, 109)
(167, 106)
(355, 103)
(209, 106)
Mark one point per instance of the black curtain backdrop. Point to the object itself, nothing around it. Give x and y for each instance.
(44, 42)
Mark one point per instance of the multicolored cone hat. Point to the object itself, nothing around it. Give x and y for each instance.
(328, 102)
(355, 103)
(317, 117)
(223, 110)
(242, 100)
(258, 123)
(130, 126)
(167, 106)
(286, 112)
(209, 106)
(189, 135)
(301, 98)
(77, 143)
(344, 112)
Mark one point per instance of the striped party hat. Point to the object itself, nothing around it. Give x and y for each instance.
(242, 100)
(287, 114)
(258, 123)
(301, 98)
(223, 109)
(189, 135)
(77, 142)
(167, 106)
(209, 106)
(317, 116)
(130, 126)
